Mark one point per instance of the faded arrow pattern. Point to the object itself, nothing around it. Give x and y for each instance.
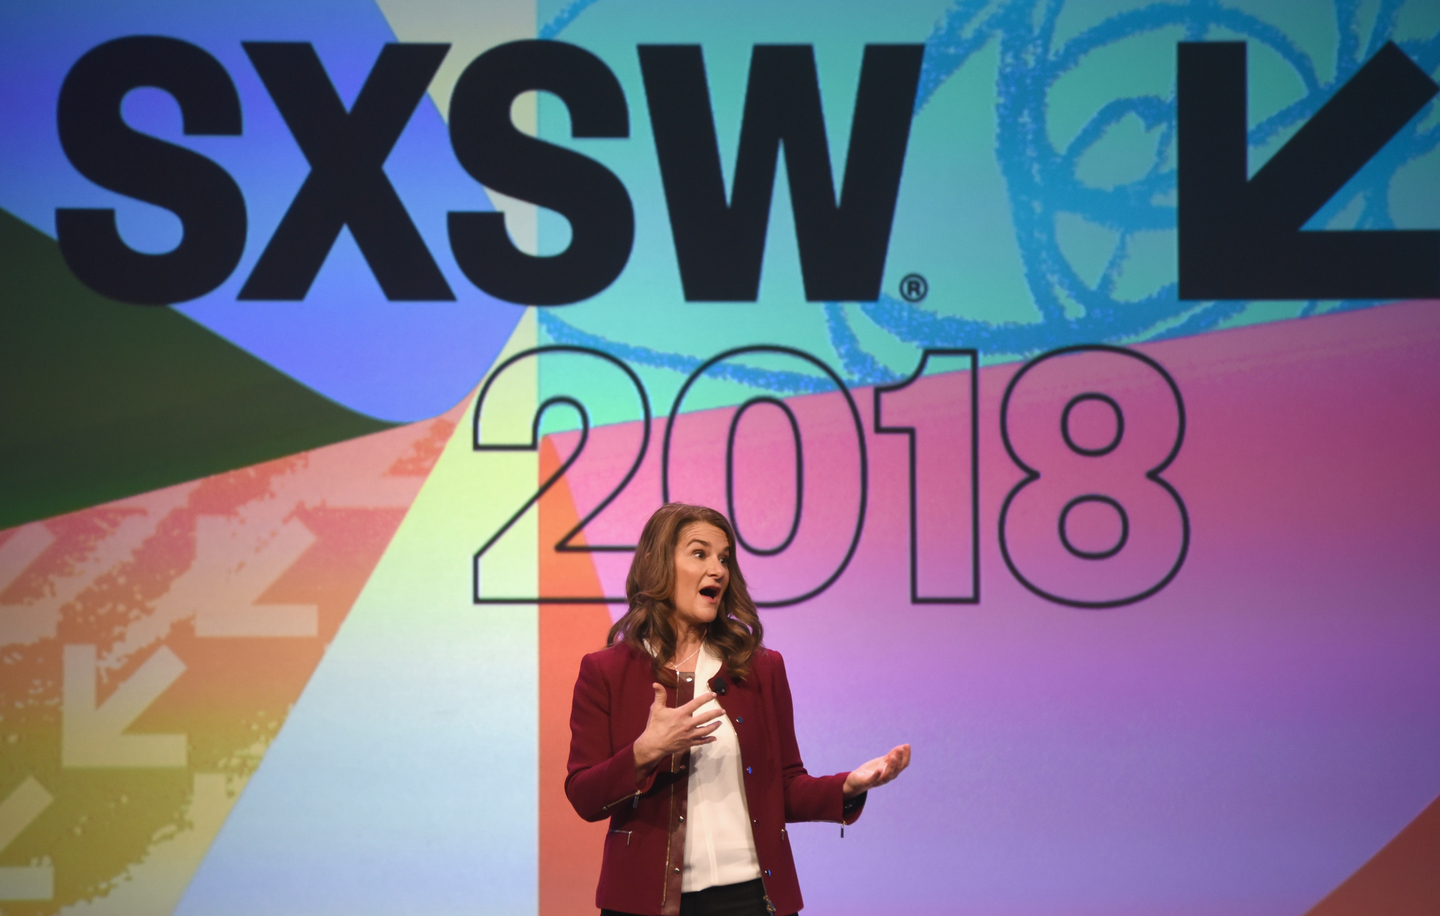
(93, 733)
(119, 699)
(24, 882)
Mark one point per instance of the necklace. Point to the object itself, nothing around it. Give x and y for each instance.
(682, 661)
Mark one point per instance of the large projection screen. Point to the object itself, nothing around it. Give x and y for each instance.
(1070, 370)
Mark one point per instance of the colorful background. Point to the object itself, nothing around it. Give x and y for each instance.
(283, 623)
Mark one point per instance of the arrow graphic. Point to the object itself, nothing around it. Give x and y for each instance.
(94, 736)
(37, 616)
(236, 560)
(1242, 239)
(229, 607)
(24, 882)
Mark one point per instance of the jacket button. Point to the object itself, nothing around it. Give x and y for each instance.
(767, 872)
(739, 718)
(682, 818)
(754, 820)
(677, 871)
(747, 770)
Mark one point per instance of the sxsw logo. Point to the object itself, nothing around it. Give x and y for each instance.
(718, 243)
(1238, 237)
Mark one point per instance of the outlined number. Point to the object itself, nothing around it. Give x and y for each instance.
(799, 506)
(1093, 524)
(588, 372)
(822, 539)
(939, 414)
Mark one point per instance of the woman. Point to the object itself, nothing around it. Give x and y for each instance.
(682, 734)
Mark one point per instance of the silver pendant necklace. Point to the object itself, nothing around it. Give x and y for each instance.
(682, 661)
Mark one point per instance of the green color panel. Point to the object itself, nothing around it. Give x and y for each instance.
(104, 400)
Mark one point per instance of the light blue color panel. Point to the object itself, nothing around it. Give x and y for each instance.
(404, 780)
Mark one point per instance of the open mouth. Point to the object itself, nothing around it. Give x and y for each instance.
(711, 591)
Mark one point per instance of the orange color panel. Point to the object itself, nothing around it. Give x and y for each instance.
(569, 847)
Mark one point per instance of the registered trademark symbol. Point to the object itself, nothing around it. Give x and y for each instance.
(913, 288)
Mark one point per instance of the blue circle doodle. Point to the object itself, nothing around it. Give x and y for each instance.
(1041, 181)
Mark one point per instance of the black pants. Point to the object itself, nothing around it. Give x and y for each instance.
(745, 899)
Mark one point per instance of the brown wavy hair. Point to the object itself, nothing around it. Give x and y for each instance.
(650, 586)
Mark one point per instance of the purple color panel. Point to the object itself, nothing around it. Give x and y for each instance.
(1239, 742)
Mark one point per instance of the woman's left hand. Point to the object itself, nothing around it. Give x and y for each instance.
(877, 772)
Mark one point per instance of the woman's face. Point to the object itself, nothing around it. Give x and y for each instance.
(702, 555)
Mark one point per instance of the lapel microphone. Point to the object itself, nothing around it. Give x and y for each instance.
(718, 685)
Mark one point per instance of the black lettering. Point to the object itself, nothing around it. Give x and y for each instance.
(104, 149)
(347, 185)
(499, 156)
(1242, 239)
(719, 247)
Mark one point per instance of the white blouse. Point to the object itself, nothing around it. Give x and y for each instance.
(719, 847)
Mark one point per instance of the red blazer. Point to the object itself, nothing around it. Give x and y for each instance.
(644, 849)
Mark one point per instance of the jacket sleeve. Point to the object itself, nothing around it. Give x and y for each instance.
(807, 798)
(599, 776)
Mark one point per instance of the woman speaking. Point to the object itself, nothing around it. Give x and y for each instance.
(682, 734)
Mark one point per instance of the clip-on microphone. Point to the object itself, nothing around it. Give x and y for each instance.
(718, 685)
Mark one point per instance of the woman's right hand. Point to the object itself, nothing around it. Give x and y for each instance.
(673, 731)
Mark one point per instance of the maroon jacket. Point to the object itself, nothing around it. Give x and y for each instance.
(645, 847)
